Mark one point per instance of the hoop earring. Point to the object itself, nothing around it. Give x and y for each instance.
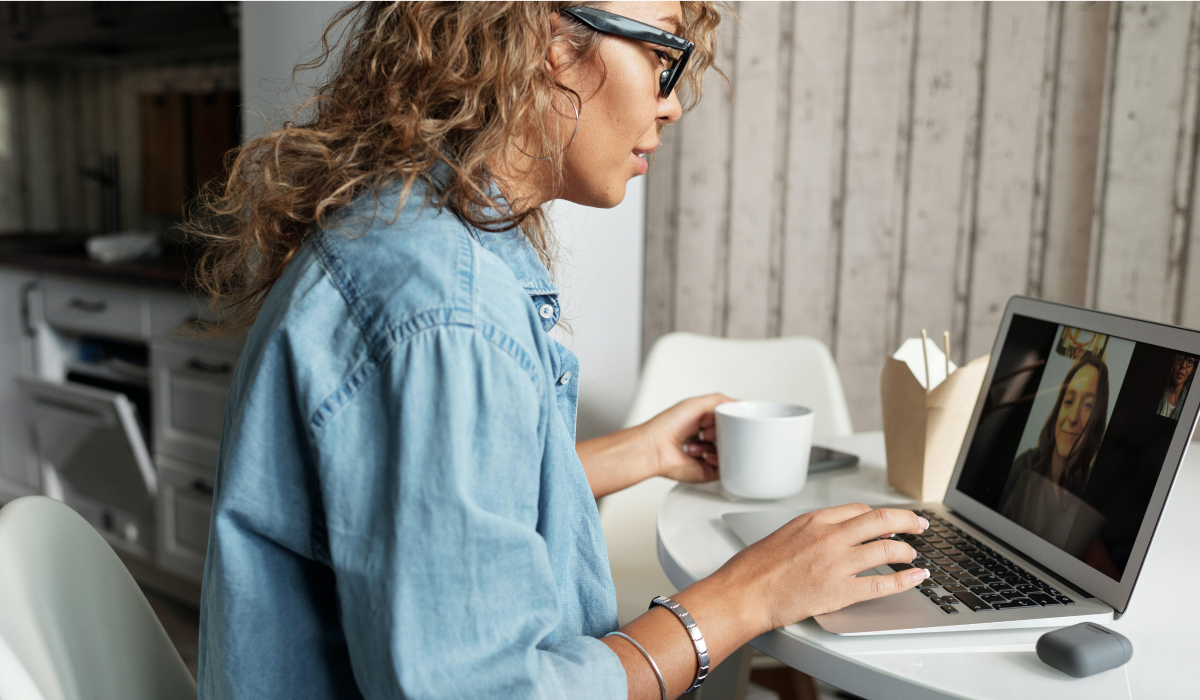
(564, 150)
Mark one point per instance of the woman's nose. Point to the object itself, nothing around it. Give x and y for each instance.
(669, 109)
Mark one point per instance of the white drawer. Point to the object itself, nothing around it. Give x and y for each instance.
(172, 315)
(190, 384)
(184, 513)
(96, 307)
(171, 311)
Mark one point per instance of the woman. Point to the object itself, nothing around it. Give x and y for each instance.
(1046, 481)
(1171, 403)
(401, 509)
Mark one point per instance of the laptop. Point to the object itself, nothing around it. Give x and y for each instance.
(1080, 427)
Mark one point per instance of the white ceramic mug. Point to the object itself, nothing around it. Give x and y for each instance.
(763, 448)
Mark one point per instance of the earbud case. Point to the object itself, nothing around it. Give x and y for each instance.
(1084, 649)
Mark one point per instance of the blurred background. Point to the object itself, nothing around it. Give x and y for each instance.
(887, 167)
(879, 167)
(113, 113)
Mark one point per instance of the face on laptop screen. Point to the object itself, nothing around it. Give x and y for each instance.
(1073, 434)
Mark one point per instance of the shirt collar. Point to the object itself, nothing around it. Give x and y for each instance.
(515, 250)
(512, 246)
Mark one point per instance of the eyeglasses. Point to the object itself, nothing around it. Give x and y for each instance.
(617, 25)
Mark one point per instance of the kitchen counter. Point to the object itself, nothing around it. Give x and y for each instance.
(66, 254)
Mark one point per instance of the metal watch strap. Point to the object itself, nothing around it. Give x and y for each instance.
(693, 631)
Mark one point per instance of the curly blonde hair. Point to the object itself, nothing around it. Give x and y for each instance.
(414, 85)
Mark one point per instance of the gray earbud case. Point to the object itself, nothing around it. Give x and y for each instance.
(1084, 649)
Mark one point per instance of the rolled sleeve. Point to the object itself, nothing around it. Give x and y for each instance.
(444, 583)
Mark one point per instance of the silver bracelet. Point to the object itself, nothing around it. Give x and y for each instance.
(662, 686)
(693, 631)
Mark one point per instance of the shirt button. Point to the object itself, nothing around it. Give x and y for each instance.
(547, 311)
(565, 378)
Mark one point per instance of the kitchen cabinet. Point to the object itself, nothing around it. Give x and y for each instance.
(184, 512)
(95, 307)
(190, 385)
(106, 406)
(92, 443)
(18, 464)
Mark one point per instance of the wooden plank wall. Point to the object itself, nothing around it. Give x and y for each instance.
(888, 167)
(63, 118)
(1143, 231)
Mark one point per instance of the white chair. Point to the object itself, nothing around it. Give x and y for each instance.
(73, 624)
(797, 370)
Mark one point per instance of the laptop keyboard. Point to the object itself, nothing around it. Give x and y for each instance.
(966, 575)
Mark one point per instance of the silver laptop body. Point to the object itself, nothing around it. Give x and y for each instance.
(1064, 504)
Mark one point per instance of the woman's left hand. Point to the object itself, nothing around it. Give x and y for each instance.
(683, 439)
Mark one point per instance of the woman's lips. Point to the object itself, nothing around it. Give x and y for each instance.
(641, 165)
(1064, 431)
(642, 156)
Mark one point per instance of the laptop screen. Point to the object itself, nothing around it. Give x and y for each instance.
(1073, 434)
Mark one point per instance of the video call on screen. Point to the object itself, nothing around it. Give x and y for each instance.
(1074, 432)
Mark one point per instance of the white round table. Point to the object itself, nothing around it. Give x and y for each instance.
(1163, 619)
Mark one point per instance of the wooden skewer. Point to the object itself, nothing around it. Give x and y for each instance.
(925, 351)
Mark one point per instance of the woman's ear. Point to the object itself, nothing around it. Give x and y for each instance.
(558, 55)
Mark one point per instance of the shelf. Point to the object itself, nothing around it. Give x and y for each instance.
(105, 370)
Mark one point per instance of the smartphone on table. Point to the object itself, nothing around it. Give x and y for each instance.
(823, 459)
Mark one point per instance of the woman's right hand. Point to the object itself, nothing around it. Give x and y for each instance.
(810, 565)
(806, 568)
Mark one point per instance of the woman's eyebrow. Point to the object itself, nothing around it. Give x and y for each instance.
(674, 21)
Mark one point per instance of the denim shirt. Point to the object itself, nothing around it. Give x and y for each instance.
(399, 510)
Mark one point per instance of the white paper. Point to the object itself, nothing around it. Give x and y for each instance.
(126, 245)
(910, 354)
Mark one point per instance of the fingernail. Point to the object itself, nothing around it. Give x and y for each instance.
(918, 575)
(924, 523)
(693, 450)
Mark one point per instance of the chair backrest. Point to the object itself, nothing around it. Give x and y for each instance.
(73, 617)
(797, 369)
(15, 681)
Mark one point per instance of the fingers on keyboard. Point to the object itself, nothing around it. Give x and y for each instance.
(970, 575)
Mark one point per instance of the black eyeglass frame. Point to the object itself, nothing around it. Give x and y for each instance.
(619, 25)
